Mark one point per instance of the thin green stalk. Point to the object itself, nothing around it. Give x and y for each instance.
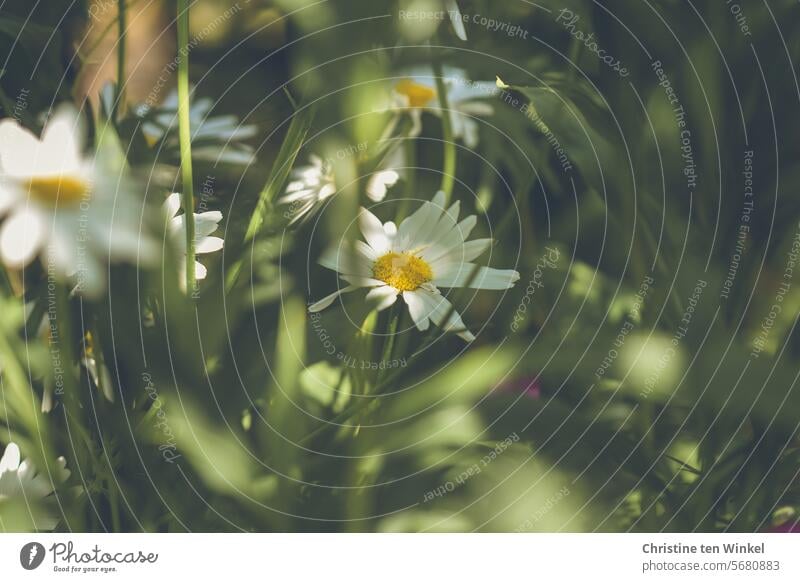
(186, 139)
(122, 18)
(389, 342)
(410, 147)
(72, 387)
(17, 393)
(449, 165)
(113, 500)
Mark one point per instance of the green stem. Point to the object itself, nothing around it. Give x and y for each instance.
(122, 18)
(410, 148)
(186, 139)
(72, 387)
(389, 342)
(113, 500)
(449, 165)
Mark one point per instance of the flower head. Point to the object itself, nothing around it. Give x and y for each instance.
(214, 138)
(205, 223)
(309, 187)
(427, 251)
(416, 93)
(20, 482)
(80, 210)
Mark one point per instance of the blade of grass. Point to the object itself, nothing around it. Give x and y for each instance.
(122, 21)
(449, 164)
(281, 168)
(186, 139)
(295, 137)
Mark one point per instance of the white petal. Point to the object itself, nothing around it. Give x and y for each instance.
(295, 185)
(468, 129)
(326, 191)
(8, 196)
(451, 240)
(439, 307)
(19, 150)
(91, 277)
(414, 228)
(206, 222)
(372, 229)
(200, 271)
(474, 249)
(456, 19)
(463, 253)
(347, 262)
(62, 141)
(417, 309)
(466, 335)
(410, 225)
(434, 222)
(379, 184)
(457, 275)
(416, 122)
(297, 195)
(365, 251)
(363, 281)
(383, 296)
(172, 205)
(209, 244)
(10, 459)
(21, 237)
(450, 218)
(327, 301)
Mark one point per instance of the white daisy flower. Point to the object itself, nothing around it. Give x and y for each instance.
(214, 139)
(416, 93)
(20, 482)
(427, 251)
(204, 224)
(80, 210)
(309, 187)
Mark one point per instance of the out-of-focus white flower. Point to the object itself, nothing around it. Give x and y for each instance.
(21, 483)
(424, 17)
(214, 138)
(204, 224)
(416, 93)
(379, 183)
(81, 210)
(309, 187)
(429, 250)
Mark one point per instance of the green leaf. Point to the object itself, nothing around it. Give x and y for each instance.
(577, 128)
(295, 137)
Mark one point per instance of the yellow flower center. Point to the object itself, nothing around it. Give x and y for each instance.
(418, 95)
(403, 271)
(58, 189)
